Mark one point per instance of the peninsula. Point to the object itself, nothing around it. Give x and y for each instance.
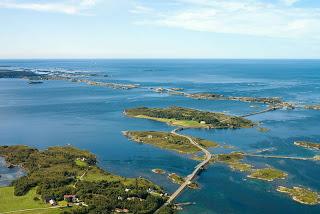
(190, 118)
(60, 172)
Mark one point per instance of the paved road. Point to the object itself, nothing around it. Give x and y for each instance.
(261, 112)
(196, 170)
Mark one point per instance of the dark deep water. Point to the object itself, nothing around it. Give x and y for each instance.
(60, 113)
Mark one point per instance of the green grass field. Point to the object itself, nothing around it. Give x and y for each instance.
(173, 122)
(268, 174)
(95, 174)
(48, 210)
(81, 163)
(10, 202)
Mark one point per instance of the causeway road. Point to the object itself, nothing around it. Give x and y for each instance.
(196, 170)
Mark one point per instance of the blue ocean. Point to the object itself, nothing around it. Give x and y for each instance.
(89, 117)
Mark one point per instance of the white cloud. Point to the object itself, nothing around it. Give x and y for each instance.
(289, 2)
(246, 17)
(139, 9)
(63, 6)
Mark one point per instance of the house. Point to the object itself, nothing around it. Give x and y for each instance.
(70, 198)
(127, 190)
(52, 202)
(150, 190)
(82, 159)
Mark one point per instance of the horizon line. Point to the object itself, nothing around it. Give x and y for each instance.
(155, 58)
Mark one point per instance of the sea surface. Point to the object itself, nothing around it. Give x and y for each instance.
(88, 117)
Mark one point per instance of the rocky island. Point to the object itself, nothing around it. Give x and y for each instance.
(312, 107)
(158, 171)
(301, 195)
(309, 145)
(36, 77)
(212, 96)
(272, 101)
(190, 118)
(7, 73)
(108, 84)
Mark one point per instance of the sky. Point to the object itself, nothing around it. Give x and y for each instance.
(160, 29)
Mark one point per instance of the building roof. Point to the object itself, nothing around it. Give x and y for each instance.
(69, 196)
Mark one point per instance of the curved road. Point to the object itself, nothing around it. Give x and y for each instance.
(196, 170)
(207, 159)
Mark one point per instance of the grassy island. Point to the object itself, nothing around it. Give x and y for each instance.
(309, 145)
(168, 141)
(59, 171)
(190, 118)
(176, 178)
(301, 195)
(179, 180)
(233, 160)
(268, 174)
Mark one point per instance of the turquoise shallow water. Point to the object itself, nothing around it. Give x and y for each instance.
(60, 113)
